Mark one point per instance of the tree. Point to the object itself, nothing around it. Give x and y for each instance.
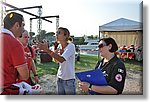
(79, 40)
(91, 37)
(31, 34)
(42, 34)
(50, 34)
(50, 37)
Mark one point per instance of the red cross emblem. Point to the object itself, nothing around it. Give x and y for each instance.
(118, 77)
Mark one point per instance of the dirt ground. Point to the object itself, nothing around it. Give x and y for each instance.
(133, 84)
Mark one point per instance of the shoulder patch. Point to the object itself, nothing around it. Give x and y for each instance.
(118, 77)
(120, 70)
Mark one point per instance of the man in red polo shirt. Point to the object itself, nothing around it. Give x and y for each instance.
(13, 64)
(29, 54)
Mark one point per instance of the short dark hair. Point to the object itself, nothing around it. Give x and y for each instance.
(11, 19)
(111, 41)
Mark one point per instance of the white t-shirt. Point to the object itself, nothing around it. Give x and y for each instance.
(66, 69)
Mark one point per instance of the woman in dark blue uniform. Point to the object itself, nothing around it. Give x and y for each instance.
(112, 67)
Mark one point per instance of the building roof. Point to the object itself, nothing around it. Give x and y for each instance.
(122, 24)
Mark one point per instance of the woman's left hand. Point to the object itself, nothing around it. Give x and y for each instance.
(84, 86)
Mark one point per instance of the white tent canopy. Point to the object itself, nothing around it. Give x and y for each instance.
(124, 31)
(121, 24)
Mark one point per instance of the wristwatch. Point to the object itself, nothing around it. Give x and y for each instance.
(90, 87)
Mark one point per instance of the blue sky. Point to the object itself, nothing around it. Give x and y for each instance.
(81, 17)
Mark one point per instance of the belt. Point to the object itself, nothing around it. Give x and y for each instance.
(59, 79)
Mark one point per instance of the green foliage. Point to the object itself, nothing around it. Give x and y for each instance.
(50, 34)
(31, 34)
(78, 40)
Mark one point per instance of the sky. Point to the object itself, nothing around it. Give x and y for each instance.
(81, 17)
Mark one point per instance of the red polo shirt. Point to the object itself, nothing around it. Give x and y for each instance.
(28, 57)
(13, 56)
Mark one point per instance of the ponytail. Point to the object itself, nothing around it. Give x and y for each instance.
(70, 39)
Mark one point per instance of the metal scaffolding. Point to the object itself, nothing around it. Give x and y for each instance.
(57, 20)
(39, 21)
(2, 12)
(22, 10)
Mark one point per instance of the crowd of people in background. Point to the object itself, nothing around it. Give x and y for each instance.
(130, 52)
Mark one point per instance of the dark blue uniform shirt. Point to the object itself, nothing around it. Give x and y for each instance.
(114, 72)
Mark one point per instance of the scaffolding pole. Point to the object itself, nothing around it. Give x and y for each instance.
(24, 11)
(57, 20)
(2, 12)
(24, 8)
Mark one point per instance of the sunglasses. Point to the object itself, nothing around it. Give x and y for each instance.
(58, 32)
(101, 45)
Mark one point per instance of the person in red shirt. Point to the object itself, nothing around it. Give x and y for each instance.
(124, 48)
(13, 64)
(29, 55)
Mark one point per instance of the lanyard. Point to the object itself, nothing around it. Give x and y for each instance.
(102, 66)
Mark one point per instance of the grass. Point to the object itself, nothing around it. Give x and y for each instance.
(86, 63)
(133, 65)
(47, 68)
